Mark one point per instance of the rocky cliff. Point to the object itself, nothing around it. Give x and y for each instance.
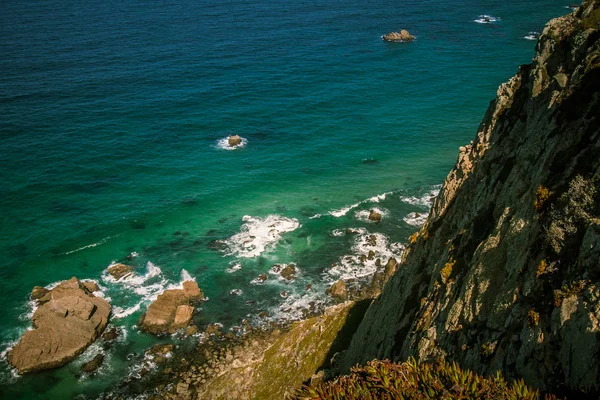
(505, 274)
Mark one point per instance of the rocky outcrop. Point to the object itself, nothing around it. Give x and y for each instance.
(504, 275)
(338, 290)
(172, 310)
(234, 140)
(263, 369)
(68, 321)
(402, 36)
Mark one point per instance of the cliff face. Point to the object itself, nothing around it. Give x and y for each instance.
(505, 274)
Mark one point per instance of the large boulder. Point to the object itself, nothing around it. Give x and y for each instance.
(172, 310)
(64, 327)
(402, 36)
(338, 290)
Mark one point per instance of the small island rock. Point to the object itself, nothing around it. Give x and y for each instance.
(402, 36)
(374, 216)
(288, 273)
(64, 327)
(234, 140)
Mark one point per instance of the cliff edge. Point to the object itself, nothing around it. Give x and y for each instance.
(505, 274)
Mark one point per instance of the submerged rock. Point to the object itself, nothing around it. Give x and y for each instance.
(119, 271)
(289, 272)
(93, 364)
(64, 327)
(234, 140)
(402, 36)
(172, 309)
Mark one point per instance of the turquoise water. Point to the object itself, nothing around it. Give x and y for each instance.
(112, 115)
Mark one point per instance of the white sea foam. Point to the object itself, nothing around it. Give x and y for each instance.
(224, 144)
(532, 36)
(416, 219)
(343, 211)
(297, 305)
(486, 19)
(119, 312)
(233, 268)
(90, 245)
(359, 265)
(236, 292)
(426, 200)
(258, 234)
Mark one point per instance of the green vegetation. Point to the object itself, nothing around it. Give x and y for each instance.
(533, 318)
(572, 289)
(413, 380)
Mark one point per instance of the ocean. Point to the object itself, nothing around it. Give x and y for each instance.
(113, 119)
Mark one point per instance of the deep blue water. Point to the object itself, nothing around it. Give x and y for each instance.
(111, 115)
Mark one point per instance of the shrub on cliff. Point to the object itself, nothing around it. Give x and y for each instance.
(413, 380)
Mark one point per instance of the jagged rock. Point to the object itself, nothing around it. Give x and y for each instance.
(234, 140)
(119, 271)
(262, 277)
(171, 310)
(91, 286)
(110, 334)
(338, 290)
(390, 268)
(289, 272)
(38, 292)
(521, 199)
(93, 364)
(374, 216)
(64, 327)
(213, 329)
(402, 36)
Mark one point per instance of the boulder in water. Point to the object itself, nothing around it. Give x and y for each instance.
(93, 364)
(374, 216)
(402, 36)
(172, 309)
(64, 327)
(234, 140)
(288, 273)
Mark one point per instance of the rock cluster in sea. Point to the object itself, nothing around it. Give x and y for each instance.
(69, 318)
(402, 36)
